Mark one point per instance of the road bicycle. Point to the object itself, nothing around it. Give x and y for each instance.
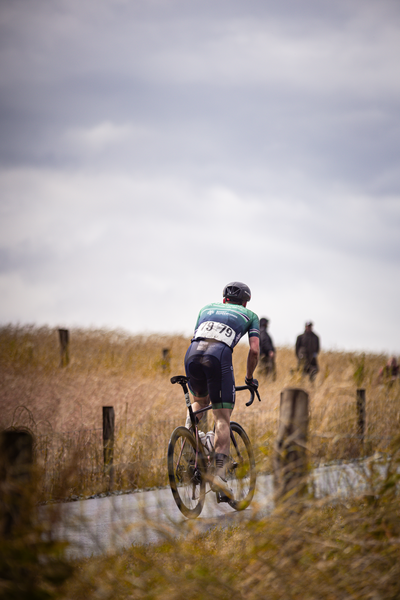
(190, 461)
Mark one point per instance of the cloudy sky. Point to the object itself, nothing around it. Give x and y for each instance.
(153, 151)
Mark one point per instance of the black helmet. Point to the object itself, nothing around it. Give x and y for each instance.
(237, 292)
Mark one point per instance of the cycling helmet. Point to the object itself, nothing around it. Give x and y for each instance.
(237, 292)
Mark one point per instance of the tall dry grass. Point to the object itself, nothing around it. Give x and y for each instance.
(63, 406)
(318, 550)
(324, 549)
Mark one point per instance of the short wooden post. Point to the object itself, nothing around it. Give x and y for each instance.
(108, 441)
(166, 361)
(64, 347)
(361, 413)
(290, 456)
(16, 460)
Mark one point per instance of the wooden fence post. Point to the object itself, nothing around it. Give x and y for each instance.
(361, 413)
(64, 347)
(108, 441)
(290, 456)
(166, 361)
(16, 460)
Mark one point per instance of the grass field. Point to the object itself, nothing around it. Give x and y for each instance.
(306, 550)
(63, 406)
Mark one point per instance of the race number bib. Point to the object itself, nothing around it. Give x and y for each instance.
(216, 331)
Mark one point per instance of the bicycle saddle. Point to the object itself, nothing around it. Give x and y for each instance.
(179, 379)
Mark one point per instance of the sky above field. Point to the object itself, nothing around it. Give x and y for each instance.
(151, 152)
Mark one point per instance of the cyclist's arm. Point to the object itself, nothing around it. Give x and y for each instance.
(252, 358)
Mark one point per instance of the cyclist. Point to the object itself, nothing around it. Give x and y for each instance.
(208, 365)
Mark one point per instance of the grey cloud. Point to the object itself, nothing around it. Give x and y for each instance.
(334, 118)
(159, 142)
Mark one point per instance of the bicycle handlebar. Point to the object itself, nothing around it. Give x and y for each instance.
(253, 392)
(182, 380)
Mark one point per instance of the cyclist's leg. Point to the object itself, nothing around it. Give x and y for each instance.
(222, 418)
(209, 368)
(197, 404)
(200, 402)
(197, 383)
(221, 385)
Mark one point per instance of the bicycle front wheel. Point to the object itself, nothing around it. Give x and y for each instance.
(186, 472)
(241, 468)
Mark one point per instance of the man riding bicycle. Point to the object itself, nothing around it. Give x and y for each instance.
(208, 365)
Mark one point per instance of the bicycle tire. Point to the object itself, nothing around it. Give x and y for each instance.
(241, 468)
(186, 469)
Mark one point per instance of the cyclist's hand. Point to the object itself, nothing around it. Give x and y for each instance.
(252, 383)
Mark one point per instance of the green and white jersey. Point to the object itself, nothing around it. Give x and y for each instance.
(227, 323)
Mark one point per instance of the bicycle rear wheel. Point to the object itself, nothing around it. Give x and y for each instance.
(185, 471)
(241, 468)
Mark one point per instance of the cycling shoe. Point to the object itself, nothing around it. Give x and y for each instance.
(220, 486)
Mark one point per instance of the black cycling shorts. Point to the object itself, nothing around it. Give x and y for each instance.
(208, 365)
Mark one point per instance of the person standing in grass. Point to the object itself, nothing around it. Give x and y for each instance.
(267, 350)
(307, 350)
(208, 365)
(390, 372)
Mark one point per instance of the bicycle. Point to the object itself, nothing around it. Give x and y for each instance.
(190, 461)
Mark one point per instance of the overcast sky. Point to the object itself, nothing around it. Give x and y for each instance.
(153, 151)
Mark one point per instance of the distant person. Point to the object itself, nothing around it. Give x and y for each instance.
(390, 372)
(267, 365)
(307, 349)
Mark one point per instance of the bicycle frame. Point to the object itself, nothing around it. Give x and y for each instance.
(191, 474)
(182, 380)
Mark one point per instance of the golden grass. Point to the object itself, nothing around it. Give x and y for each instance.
(314, 550)
(63, 406)
(320, 550)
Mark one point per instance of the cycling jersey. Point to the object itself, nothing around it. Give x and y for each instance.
(226, 323)
(208, 361)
